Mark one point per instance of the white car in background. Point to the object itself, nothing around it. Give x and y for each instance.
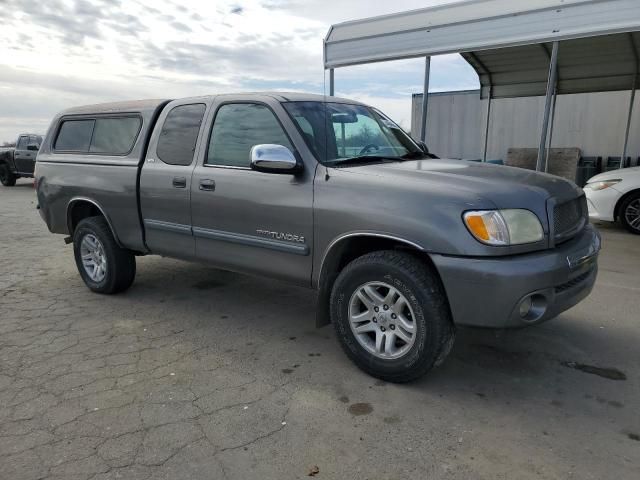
(615, 195)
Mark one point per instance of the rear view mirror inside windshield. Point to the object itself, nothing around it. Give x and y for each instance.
(344, 117)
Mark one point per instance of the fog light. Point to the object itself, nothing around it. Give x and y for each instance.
(532, 308)
(525, 307)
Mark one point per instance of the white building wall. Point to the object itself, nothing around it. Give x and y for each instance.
(593, 122)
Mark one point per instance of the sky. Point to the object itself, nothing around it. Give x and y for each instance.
(63, 53)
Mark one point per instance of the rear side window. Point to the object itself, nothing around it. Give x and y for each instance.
(179, 134)
(107, 136)
(239, 127)
(115, 135)
(75, 136)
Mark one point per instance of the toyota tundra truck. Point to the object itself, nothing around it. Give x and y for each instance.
(324, 193)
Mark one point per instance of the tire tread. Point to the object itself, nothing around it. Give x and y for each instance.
(427, 280)
(124, 262)
(11, 177)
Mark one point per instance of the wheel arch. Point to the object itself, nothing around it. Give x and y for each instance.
(621, 200)
(346, 248)
(80, 208)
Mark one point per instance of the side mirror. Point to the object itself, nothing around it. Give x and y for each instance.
(33, 146)
(423, 147)
(273, 158)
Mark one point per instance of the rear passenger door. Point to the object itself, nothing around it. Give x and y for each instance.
(165, 182)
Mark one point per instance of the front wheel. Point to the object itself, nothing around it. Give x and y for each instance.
(103, 265)
(391, 316)
(630, 213)
(7, 177)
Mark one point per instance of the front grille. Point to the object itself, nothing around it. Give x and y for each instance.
(573, 283)
(569, 218)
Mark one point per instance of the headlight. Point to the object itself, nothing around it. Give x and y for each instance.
(602, 185)
(504, 227)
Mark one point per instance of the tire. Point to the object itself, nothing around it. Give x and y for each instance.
(426, 304)
(630, 213)
(118, 264)
(7, 177)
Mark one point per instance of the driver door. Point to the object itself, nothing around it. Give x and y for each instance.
(245, 220)
(24, 158)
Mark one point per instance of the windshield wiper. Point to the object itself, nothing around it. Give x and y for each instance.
(414, 155)
(418, 156)
(364, 159)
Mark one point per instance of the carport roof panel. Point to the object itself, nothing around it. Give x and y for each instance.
(475, 25)
(592, 64)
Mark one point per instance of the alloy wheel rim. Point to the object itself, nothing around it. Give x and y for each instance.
(94, 259)
(632, 214)
(382, 320)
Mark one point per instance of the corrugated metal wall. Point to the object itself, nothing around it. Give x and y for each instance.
(593, 122)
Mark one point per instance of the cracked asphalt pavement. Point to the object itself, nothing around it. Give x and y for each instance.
(195, 373)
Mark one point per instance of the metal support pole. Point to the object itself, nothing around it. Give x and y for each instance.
(553, 117)
(551, 82)
(332, 82)
(626, 134)
(425, 99)
(486, 127)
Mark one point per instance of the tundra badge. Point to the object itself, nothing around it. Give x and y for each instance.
(290, 237)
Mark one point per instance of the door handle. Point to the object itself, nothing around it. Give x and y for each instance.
(207, 185)
(179, 182)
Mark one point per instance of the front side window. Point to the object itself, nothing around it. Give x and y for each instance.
(115, 136)
(74, 136)
(340, 131)
(23, 141)
(179, 134)
(238, 128)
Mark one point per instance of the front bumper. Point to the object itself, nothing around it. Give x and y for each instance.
(488, 292)
(601, 203)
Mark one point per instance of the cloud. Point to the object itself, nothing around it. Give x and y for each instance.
(181, 27)
(61, 53)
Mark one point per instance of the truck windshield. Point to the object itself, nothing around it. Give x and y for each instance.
(342, 132)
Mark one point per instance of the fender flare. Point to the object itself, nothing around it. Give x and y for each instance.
(336, 241)
(95, 204)
(321, 283)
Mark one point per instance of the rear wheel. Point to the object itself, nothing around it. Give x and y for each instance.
(103, 265)
(630, 213)
(391, 316)
(7, 177)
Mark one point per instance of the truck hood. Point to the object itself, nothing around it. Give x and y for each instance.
(505, 187)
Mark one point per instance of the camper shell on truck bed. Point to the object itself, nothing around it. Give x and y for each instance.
(110, 177)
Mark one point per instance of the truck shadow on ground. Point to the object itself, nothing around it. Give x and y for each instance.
(563, 350)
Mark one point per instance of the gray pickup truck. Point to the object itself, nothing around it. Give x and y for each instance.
(19, 161)
(325, 193)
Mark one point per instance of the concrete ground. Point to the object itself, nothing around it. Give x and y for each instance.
(198, 373)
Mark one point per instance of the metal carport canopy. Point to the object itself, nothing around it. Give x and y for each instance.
(474, 25)
(512, 45)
